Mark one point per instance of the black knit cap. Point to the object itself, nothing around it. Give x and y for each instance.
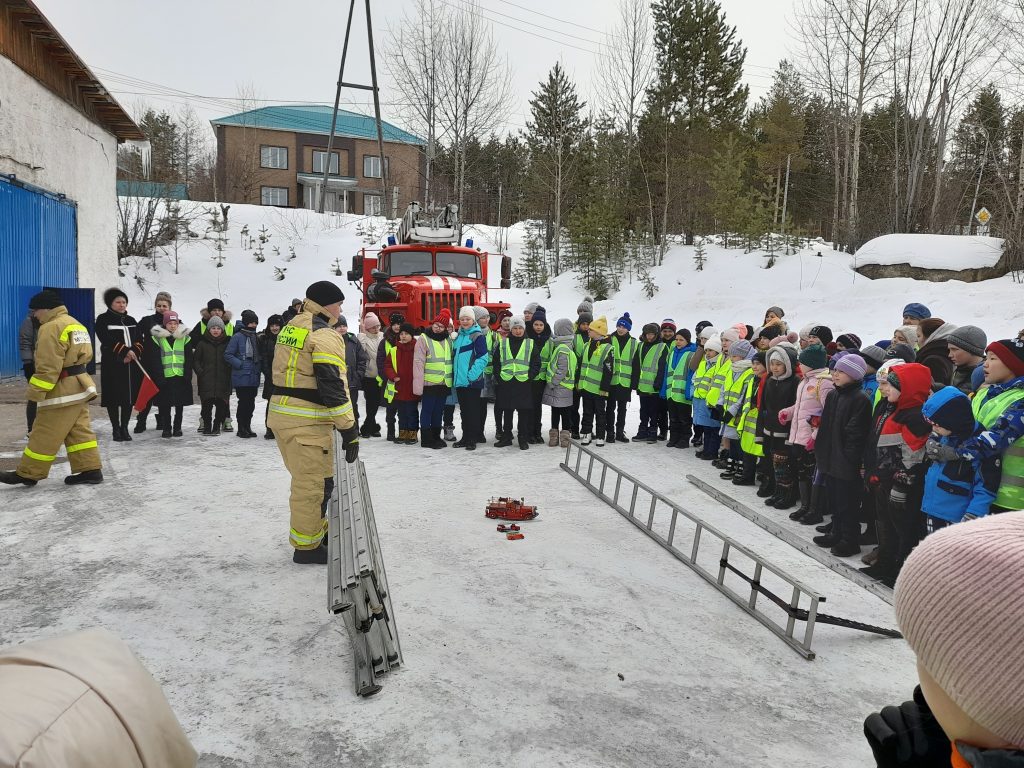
(396, 318)
(702, 325)
(249, 317)
(324, 293)
(45, 300)
(407, 328)
(213, 304)
(112, 294)
(823, 333)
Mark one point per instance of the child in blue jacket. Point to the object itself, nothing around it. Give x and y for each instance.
(961, 489)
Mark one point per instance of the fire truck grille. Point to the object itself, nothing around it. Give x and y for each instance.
(453, 301)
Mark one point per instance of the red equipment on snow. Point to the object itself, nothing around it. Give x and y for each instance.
(505, 508)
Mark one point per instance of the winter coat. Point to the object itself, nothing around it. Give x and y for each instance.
(419, 364)
(900, 432)
(62, 342)
(642, 352)
(675, 355)
(869, 386)
(390, 337)
(150, 354)
(243, 355)
(370, 344)
(619, 393)
(118, 334)
(935, 356)
(177, 390)
(963, 378)
(469, 357)
(779, 394)
(555, 395)
(27, 339)
(845, 423)
(212, 370)
(355, 362)
(810, 401)
(515, 395)
(83, 700)
(200, 328)
(976, 757)
(403, 376)
(267, 342)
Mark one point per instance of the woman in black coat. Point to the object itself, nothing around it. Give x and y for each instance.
(120, 348)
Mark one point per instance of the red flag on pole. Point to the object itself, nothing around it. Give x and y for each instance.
(147, 391)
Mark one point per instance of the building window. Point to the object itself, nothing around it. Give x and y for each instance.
(273, 195)
(373, 205)
(318, 161)
(371, 166)
(274, 157)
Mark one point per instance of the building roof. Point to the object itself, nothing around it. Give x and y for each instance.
(316, 118)
(29, 40)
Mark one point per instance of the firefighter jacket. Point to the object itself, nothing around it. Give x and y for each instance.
(63, 349)
(310, 375)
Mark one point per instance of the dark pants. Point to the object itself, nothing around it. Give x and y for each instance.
(469, 407)
(371, 391)
(537, 391)
(119, 415)
(664, 416)
(246, 406)
(449, 416)
(208, 411)
(577, 398)
(648, 414)
(503, 420)
(480, 438)
(844, 503)
(164, 414)
(615, 422)
(432, 411)
(594, 408)
(900, 524)
(712, 441)
(803, 463)
(390, 413)
(680, 417)
(565, 416)
(144, 413)
(408, 415)
(30, 408)
(525, 421)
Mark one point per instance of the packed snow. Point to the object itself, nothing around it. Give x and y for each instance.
(953, 252)
(585, 644)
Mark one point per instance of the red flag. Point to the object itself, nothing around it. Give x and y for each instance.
(147, 392)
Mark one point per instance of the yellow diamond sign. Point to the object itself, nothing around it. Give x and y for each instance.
(983, 216)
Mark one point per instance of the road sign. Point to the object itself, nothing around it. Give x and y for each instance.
(983, 216)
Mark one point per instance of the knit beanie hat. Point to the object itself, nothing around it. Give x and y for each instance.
(874, 356)
(502, 314)
(743, 330)
(1011, 353)
(784, 357)
(563, 327)
(883, 343)
(342, 321)
(274, 320)
(685, 333)
(770, 332)
(741, 349)
(585, 317)
(852, 365)
(397, 318)
(213, 304)
(531, 307)
(625, 321)
(466, 311)
(761, 357)
(814, 357)
(731, 335)
(850, 341)
(444, 317)
(324, 293)
(370, 320)
(599, 326)
(650, 328)
(806, 330)
(961, 612)
(170, 316)
(539, 314)
(249, 317)
(479, 313)
(517, 321)
(294, 302)
(701, 326)
(903, 351)
(969, 338)
(407, 328)
(163, 296)
(917, 311)
(911, 334)
(822, 333)
(706, 332)
(714, 343)
(45, 300)
(215, 322)
(951, 409)
(587, 305)
(888, 365)
(668, 324)
(112, 294)
(930, 326)
(777, 311)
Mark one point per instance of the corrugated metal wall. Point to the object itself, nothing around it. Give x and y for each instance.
(38, 246)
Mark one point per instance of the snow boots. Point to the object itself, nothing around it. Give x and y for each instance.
(620, 437)
(564, 437)
(815, 516)
(89, 477)
(524, 442)
(599, 438)
(449, 434)
(745, 471)
(804, 487)
(406, 437)
(553, 438)
(504, 440)
(586, 438)
(11, 477)
(316, 556)
(229, 425)
(729, 468)
(722, 462)
(431, 438)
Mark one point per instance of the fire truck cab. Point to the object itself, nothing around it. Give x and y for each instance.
(424, 269)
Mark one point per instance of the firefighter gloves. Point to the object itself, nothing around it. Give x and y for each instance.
(350, 442)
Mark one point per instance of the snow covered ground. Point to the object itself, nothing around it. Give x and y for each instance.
(931, 251)
(513, 648)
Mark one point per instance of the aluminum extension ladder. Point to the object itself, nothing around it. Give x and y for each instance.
(803, 603)
(357, 586)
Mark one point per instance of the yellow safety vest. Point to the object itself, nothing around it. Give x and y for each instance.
(987, 411)
(747, 426)
(172, 356)
(390, 389)
(438, 366)
(592, 370)
(675, 391)
(518, 366)
(649, 369)
(622, 362)
(569, 382)
(718, 374)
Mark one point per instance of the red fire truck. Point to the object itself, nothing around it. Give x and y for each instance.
(423, 269)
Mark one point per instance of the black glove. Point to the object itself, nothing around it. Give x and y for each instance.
(908, 735)
(728, 418)
(717, 412)
(30, 370)
(350, 442)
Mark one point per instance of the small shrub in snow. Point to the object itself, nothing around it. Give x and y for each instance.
(279, 273)
(700, 255)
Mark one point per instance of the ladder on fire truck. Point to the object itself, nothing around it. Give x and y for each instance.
(418, 226)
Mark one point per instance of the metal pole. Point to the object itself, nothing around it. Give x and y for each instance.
(977, 187)
(785, 200)
(337, 100)
(500, 247)
(376, 109)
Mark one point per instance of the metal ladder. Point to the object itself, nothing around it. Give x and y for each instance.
(357, 586)
(803, 603)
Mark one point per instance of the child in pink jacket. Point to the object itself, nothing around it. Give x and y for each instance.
(803, 417)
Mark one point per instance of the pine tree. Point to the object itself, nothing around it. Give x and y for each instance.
(700, 254)
(532, 270)
(779, 123)
(554, 133)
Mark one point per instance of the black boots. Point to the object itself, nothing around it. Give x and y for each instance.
(523, 442)
(504, 440)
(316, 556)
(13, 478)
(89, 477)
(804, 487)
(815, 516)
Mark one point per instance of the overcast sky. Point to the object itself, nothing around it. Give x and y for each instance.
(167, 53)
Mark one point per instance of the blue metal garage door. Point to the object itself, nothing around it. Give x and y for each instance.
(38, 247)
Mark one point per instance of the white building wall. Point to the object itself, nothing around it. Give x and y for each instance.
(47, 142)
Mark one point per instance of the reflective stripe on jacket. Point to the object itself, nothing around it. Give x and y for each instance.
(62, 343)
(514, 366)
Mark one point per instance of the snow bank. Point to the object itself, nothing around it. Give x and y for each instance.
(953, 252)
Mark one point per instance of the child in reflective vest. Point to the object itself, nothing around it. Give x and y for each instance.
(677, 389)
(594, 380)
(174, 377)
(398, 370)
(558, 391)
(516, 366)
(651, 360)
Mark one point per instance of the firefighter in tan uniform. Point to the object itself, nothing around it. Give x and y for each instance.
(62, 389)
(310, 401)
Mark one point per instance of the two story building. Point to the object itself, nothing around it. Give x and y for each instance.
(276, 155)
